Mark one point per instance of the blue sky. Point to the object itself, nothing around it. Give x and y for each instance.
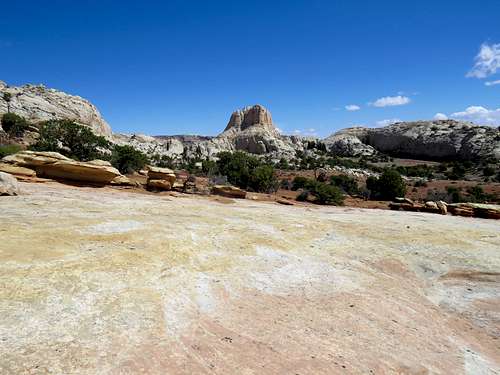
(171, 67)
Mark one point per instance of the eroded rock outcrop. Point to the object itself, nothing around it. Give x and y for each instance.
(8, 184)
(57, 166)
(38, 103)
(435, 140)
(160, 178)
(250, 129)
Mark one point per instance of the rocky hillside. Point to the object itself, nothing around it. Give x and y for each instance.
(38, 103)
(249, 129)
(252, 129)
(443, 139)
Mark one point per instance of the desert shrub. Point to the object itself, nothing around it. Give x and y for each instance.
(262, 179)
(420, 183)
(162, 161)
(127, 159)
(285, 184)
(14, 125)
(458, 171)
(416, 171)
(302, 196)
(9, 150)
(387, 187)
(328, 194)
(476, 194)
(299, 182)
(346, 183)
(455, 195)
(71, 139)
(246, 171)
(236, 167)
(323, 193)
(283, 164)
(488, 171)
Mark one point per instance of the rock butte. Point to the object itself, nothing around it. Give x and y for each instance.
(95, 281)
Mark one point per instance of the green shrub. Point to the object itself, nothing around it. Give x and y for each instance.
(127, 159)
(71, 139)
(346, 183)
(8, 150)
(387, 187)
(299, 182)
(458, 171)
(162, 161)
(246, 171)
(323, 193)
(262, 179)
(488, 171)
(416, 171)
(302, 196)
(14, 125)
(454, 194)
(328, 194)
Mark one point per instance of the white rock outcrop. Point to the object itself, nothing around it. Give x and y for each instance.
(439, 139)
(38, 103)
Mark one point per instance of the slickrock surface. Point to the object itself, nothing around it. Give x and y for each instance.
(95, 281)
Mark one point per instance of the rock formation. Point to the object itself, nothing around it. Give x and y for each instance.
(56, 166)
(160, 178)
(37, 103)
(440, 139)
(8, 184)
(250, 129)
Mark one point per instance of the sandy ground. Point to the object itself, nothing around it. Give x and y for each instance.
(99, 281)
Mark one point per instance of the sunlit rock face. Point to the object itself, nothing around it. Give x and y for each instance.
(250, 129)
(434, 140)
(38, 103)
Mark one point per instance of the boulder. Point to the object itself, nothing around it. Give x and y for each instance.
(159, 185)
(33, 159)
(122, 181)
(229, 191)
(8, 184)
(16, 170)
(431, 204)
(443, 207)
(404, 200)
(57, 166)
(485, 211)
(285, 202)
(157, 173)
(78, 171)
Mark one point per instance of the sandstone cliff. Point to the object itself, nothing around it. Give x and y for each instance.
(38, 103)
(440, 139)
(250, 129)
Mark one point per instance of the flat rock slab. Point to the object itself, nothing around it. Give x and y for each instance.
(95, 281)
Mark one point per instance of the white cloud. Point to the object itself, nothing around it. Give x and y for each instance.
(352, 107)
(487, 61)
(479, 115)
(388, 121)
(311, 132)
(440, 116)
(389, 101)
(492, 83)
